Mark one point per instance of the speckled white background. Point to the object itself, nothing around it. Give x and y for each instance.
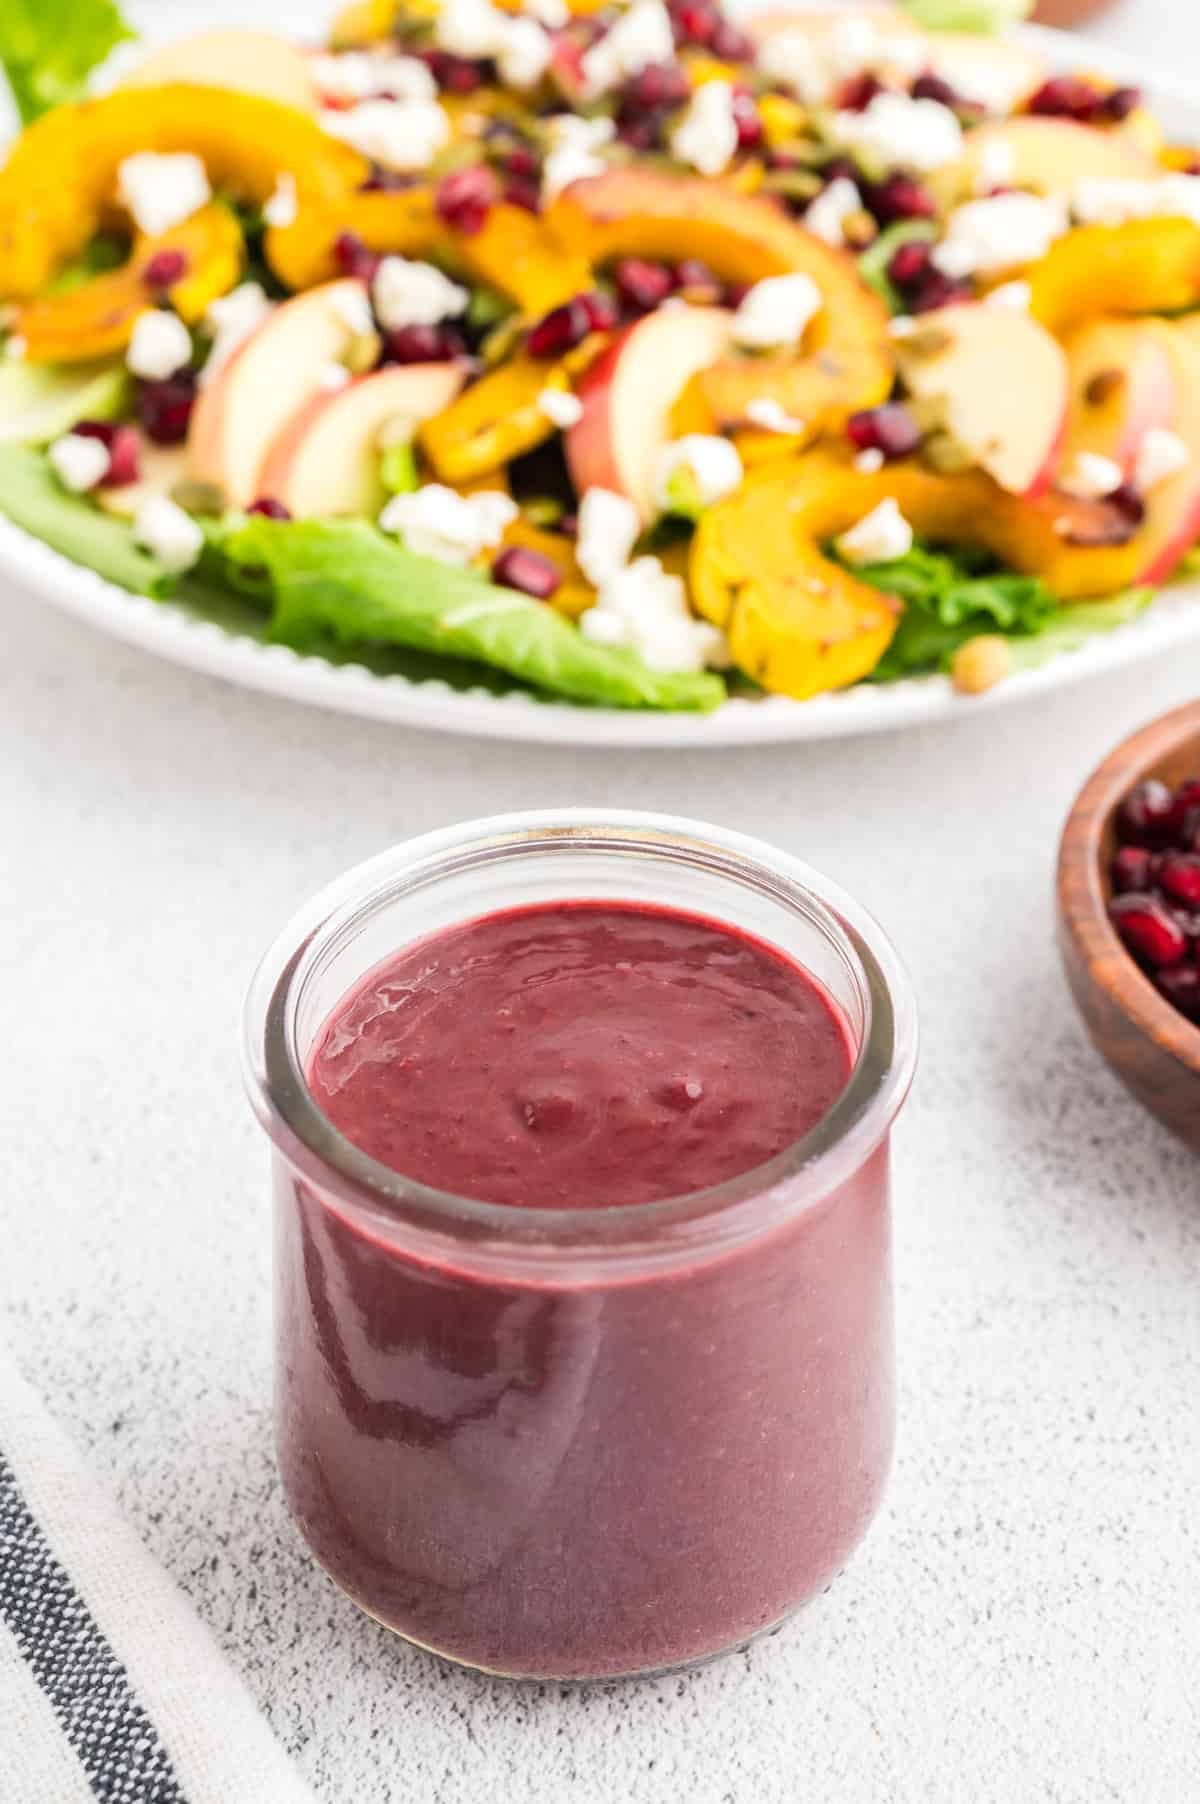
(1022, 1623)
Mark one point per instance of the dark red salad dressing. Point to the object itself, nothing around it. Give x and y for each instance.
(587, 1471)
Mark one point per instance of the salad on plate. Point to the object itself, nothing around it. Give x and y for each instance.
(634, 353)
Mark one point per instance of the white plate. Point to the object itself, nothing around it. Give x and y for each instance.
(1172, 620)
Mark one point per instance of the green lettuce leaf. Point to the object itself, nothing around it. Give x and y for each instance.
(48, 48)
(952, 597)
(347, 582)
(32, 497)
(968, 15)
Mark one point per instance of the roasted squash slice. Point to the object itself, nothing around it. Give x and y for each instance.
(1146, 266)
(403, 222)
(62, 175)
(798, 623)
(499, 418)
(97, 319)
(517, 253)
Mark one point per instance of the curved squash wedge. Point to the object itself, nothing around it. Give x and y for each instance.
(403, 222)
(97, 319)
(498, 417)
(798, 623)
(1146, 266)
(62, 175)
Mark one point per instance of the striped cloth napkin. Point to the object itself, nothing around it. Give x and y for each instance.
(111, 1688)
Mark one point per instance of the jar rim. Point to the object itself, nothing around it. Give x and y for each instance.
(688, 1227)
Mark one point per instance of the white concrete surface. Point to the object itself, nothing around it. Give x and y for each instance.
(1021, 1625)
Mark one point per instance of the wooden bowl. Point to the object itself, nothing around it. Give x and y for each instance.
(1149, 1044)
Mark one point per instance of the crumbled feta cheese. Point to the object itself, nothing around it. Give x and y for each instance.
(608, 530)
(350, 302)
(1016, 296)
(641, 36)
(172, 536)
(333, 377)
(900, 132)
(1000, 233)
(707, 135)
(561, 407)
(231, 319)
(1099, 200)
(770, 415)
(870, 461)
(827, 215)
(1091, 476)
(415, 294)
(436, 522)
(700, 463)
(997, 165)
(880, 536)
(471, 28)
(396, 134)
(162, 191)
(988, 81)
(15, 347)
(572, 156)
(357, 75)
(791, 59)
(1162, 454)
(645, 608)
(282, 207)
(903, 326)
(553, 14)
(160, 344)
(80, 463)
(852, 44)
(777, 311)
(524, 56)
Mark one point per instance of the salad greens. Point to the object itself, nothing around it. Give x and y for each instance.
(950, 598)
(345, 580)
(968, 15)
(32, 497)
(48, 48)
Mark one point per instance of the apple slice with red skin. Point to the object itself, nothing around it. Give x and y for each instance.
(1047, 155)
(1172, 523)
(1002, 383)
(627, 397)
(326, 459)
(1122, 387)
(276, 369)
(250, 62)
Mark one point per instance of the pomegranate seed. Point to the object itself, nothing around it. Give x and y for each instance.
(600, 309)
(890, 429)
(938, 290)
(165, 408)
(353, 258)
(1144, 817)
(699, 280)
(1180, 985)
(641, 285)
(730, 44)
(518, 568)
(1120, 103)
(1187, 799)
(568, 526)
(123, 455)
(840, 169)
(1128, 502)
(1179, 877)
(1067, 97)
(931, 87)
(527, 194)
(858, 93)
(1147, 929)
(465, 197)
(423, 344)
(164, 269)
(104, 430)
(695, 22)
(454, 74)
(1133, 868)
(657, 85)
(749, 125)
(270, 508)
(640, 133)
(561, 329)
(900, 198)
(909, 264)
(521, 161)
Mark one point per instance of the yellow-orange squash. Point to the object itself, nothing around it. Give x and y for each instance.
(97, 318)
(499, 417)
(1145, 266)
(62, 175)
(798, 623)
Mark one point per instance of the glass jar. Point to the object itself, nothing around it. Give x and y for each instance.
(591, 1443)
